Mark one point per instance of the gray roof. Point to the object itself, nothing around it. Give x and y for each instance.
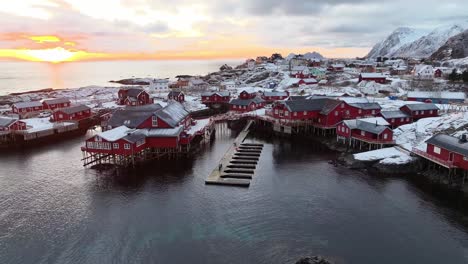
(305, 104)
(369, 127)
(163, 132)
(73, 109)
(223, 93)
(420, 107)
(6, 121)
(132, 117)
(366, 106)
(172, 114)
(28, 104)
(56, 101)
(174, 93)
(246, 102)
(329, 105)
(295, 97)
(394, 114)
(134, 137)
(449, 143)
(134, 92)
(275, 93)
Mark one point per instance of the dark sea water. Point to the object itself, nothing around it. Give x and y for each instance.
(27, 76)
(52, 210)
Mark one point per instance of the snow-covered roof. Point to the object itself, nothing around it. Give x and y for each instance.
(419, 107)
(375, 120)
(394, 114)
(116, 133)
(163, 132)
(27, 104)
(172, 114)
(338, 65)
(366, 106)
(246, 102)
(275, 93)
(372, 75)
(56, 101)
(442, 95)
(220, 93)
(310, 80)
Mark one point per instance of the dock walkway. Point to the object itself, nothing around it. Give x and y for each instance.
(237, 166)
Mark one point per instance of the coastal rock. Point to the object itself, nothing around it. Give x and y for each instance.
(313, 260)
(258, 77)
(132, 82)
(225, 67)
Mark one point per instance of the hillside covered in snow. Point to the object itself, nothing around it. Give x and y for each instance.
(415, 43)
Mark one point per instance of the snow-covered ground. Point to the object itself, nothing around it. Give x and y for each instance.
(41, 124)
(385, 156)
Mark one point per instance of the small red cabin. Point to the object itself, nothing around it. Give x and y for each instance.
(176, 96)
(56, 103)
(8, 124)
(247, 94)
(273, 96)
(438, 73)
(369, 131)
(133, 97)
(336, 68)
(27, 107)
(373, 77)
(447, 150)
(74, 113)
(215, 97)
(418, 111)
(396, 118)
(247, 105)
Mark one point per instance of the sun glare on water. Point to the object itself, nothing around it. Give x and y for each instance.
(54, 55)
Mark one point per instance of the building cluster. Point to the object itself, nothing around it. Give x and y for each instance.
(61, 109)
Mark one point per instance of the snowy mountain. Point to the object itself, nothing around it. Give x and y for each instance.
(400, 37)
(426, 45)
(407, 42)
(308, 56)
(455, 48)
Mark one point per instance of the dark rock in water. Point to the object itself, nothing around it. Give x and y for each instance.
(225, 67)
(131, 82)
(313, 260)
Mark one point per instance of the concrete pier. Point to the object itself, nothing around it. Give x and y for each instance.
(237, 166)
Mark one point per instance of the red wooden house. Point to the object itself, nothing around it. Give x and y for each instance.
(371, 131)
(373, 77)
(246, 105)
(56, 103)
(247, 94)
(176, 96)
(24, 108)
(396, 118)
(133, 97)
(336, 68)
(9, 124)
(150, 128)
(438, 73)
(74, 113)
(215, 97)
(447, 151)
(418, 111)
(300, 109)
(273, 96)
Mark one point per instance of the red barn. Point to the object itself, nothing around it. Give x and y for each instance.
(176, 96)
(56, 103)
(215, 97)
(27, 107)
(8, 124)
(133, 97)
(74, 113)
(438, 73)
(396, 118)
(373, 77)
(418, 111)
(273, 96)
(246, 105)
(448, 151)
(247, 94)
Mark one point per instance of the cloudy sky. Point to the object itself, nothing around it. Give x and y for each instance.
(182, 29)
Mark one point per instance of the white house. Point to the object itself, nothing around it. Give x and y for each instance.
(159, 85)
(229, 85)
(423, 72)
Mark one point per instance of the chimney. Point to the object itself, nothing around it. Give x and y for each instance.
(463, 138)
(376, 123)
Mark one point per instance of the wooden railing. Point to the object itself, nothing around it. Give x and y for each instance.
(374, 140)
(424, 154)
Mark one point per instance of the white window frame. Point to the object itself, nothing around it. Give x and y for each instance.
(154, 121)
(437, 150)
(336, 113)
(127, 146)
(115, 145)
(385, 136)
(305, 112)
(363, 133)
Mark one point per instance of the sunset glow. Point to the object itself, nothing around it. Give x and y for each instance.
(76, 30)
